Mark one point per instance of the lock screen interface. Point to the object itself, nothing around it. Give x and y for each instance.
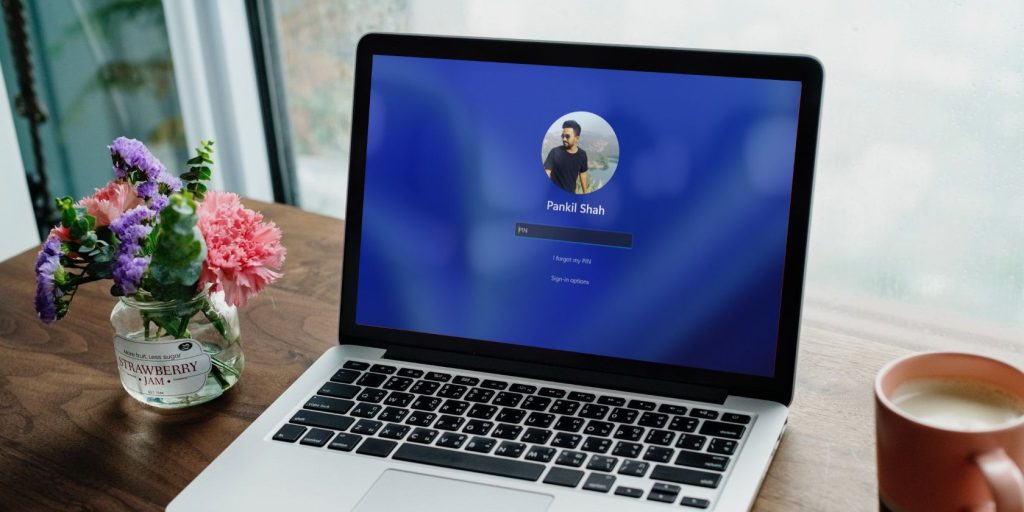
(629, 214)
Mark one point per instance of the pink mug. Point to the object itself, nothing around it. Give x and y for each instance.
(926, 468)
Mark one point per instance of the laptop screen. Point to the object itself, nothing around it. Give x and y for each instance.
(628, 214)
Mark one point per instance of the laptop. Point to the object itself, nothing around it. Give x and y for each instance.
(572, 281)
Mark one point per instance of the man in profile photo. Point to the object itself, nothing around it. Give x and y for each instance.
(568, 162)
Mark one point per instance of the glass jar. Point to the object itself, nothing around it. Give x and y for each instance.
(178, 353)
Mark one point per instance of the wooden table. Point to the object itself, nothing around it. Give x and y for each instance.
(71, 438)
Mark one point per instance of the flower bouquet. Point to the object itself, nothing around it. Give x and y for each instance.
(181, 259)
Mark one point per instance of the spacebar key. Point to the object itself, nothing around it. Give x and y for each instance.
(469, 462)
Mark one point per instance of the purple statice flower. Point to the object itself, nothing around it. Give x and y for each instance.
(131, 153)
(159, 203)
(148, 189)
(131, 229)
(47, 293)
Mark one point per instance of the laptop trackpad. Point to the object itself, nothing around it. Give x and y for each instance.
(401, 490)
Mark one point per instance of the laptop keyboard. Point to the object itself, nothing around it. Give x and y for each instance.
(600, 443)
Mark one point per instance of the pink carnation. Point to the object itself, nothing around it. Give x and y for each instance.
(244, 254)
(109, 202)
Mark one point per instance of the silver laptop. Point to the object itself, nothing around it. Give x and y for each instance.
(572, 281)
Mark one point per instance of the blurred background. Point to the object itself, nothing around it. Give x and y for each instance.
(919, 194)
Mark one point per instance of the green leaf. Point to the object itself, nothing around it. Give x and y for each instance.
(179, 250)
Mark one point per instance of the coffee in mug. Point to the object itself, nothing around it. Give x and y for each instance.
(957, 404)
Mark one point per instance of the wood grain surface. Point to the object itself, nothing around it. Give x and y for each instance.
(72, 439)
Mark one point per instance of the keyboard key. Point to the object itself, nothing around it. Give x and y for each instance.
(469, 462)
(317, 437)
(426, 403)
(383, 368)
(289, 433)
(599, 428)
(686, 476)
(508, 415)
(356, 365)
(723, 446)
(525, 389)
(371, 395)
(456, 407)
(672, 409)
(598, 482)
(565, 407)
(621, 415)
(704, 413)
(629, 433)
(657, 454)
(566, 440)
(410, 372)
(662, 497)
(452, 391)
(494, 384)
(691, 442)
(438, 377)
(643, 405)
(631, 492)
(423, 435)
(702, 460)
(506, 431)
(507, 399)
(510, 449)
(564, 477)
(365, 410)
(399, 399)
(345, 442)
(479, 395)
(660, 437)
(345, 376)
(666, 488)
(602, 463)
(593, 411)
(449, 422)
(424, 387)
(634, 468)
(732, 417)
(481, 444)
(613, 401)
(569, 424)
(551, 392)
(539, 419)
(335, 405)
(393, 414)
(719, 429)
(629, 450)
(372, 380)
(394, 431)
(466, 381)
(367, 427)
(695, 502)
(377, 447)
(421, 419)
(683, 424)
(652, 419)
(338, 390)
(582, 397)
(540, 454)
(536, 403)
(596, 444)
(536, 435)
(398, 383)
(322, 420)
(478, 427)
(452, 440)
(570, 458)
(481, 411)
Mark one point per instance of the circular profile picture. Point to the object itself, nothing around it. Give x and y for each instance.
(580, 152)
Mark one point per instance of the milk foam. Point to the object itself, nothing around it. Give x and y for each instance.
(957, 404)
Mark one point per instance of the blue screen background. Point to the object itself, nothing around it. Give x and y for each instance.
(703, 184)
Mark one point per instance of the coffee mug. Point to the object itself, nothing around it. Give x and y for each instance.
(930, 460)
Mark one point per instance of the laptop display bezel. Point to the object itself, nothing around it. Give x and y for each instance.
(806, 70)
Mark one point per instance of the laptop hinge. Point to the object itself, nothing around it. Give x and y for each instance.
(558, 373)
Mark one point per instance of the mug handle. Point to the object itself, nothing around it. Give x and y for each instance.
(1004, 478)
